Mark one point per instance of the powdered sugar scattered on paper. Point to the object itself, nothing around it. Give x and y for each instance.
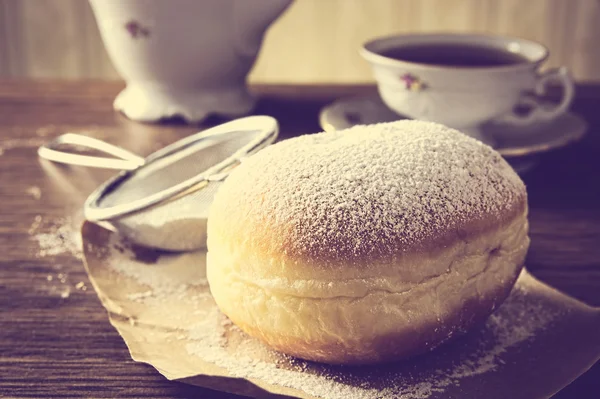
(515, 322)
(210, 336)
(170, 275)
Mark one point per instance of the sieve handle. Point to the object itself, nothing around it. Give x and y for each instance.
(124, 160)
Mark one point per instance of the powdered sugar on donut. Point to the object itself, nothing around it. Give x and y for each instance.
(372, 191)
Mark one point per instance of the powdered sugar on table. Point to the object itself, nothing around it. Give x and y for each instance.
(55, 237)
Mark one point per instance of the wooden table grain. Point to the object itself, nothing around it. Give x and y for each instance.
(58, 347)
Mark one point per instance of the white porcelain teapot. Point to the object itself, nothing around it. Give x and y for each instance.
(184, 57)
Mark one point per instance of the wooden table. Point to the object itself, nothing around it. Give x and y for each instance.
(55, 346)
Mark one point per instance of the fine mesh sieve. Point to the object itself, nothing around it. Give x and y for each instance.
(162, 201)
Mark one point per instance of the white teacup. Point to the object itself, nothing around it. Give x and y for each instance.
(419, 84)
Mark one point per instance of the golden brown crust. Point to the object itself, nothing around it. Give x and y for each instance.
(262, 239)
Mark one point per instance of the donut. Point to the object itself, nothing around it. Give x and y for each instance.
(366, 245)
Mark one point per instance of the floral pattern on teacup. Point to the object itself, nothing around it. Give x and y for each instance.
(412, 82)
(136, 30)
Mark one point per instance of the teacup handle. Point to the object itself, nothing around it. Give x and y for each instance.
(540, 111)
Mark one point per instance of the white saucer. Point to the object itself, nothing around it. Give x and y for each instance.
(517, 145)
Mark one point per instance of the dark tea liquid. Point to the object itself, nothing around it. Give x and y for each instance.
(454, 55)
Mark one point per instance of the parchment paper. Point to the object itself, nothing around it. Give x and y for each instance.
(535, 344)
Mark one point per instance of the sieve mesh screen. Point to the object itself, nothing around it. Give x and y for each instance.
(176, 167)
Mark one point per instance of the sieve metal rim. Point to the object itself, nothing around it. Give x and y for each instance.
(266, 125)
